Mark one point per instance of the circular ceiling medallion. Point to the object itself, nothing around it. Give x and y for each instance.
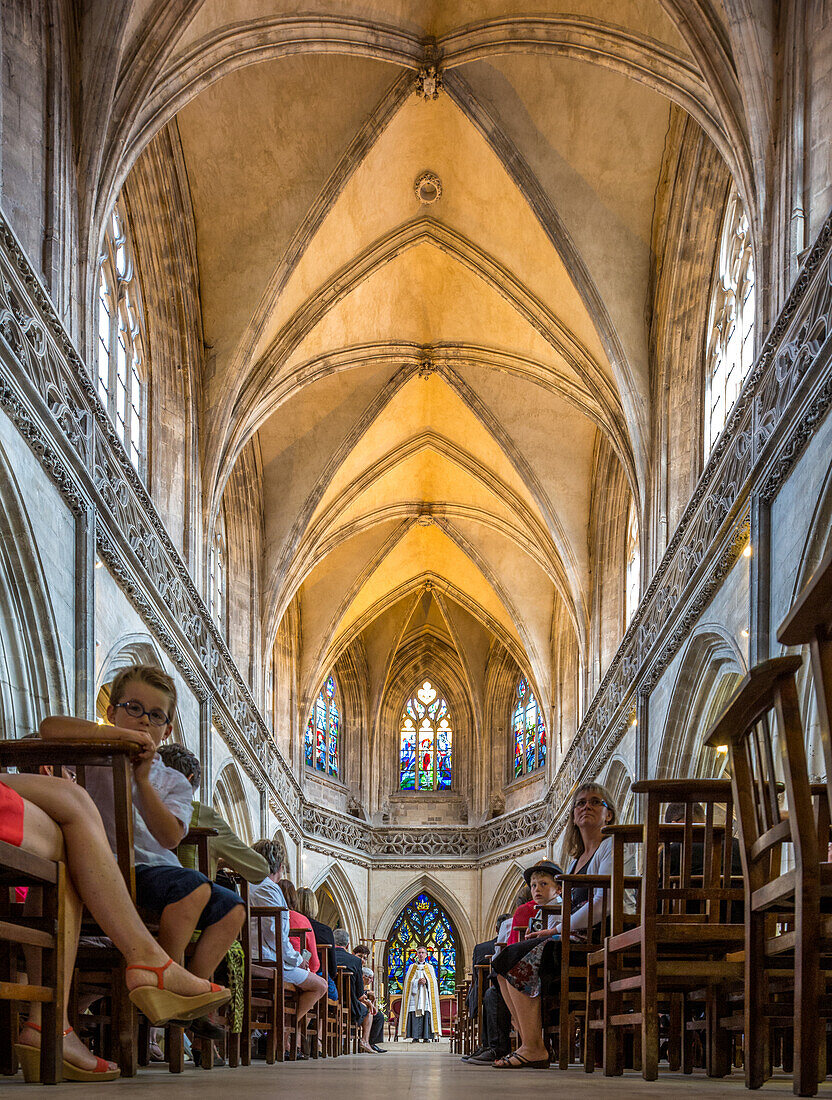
(428, 188)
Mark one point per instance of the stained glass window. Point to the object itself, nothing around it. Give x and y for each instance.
(730, 342)
(120, 369)
(528, 731)
(321, 741)
(426, 754)
(422, 921)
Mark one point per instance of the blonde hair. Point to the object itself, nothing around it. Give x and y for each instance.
(145, 674)
(573, 842)
(307, 903)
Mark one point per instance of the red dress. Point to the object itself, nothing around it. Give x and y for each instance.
(297, 920)
(11, 816)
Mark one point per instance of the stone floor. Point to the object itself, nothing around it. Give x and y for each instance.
(406, 1071)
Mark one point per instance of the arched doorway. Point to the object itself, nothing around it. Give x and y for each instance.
(423, 920)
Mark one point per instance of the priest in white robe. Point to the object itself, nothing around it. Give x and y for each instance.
(420, 1019)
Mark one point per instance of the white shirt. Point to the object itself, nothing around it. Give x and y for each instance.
(173, 789)
(267, 894)
(502, 936)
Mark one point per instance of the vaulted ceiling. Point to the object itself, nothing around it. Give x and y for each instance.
(426, 385)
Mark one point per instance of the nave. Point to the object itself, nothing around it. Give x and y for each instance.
(429, 1073)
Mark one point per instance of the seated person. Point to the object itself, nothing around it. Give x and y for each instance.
(360, 1009)
(522, 898)
(362, 952)
(226, 846)
(494, 1041)
(308, 907)
(57, 820)
(523, 968)
(141, 709)
(267, 894)
(298, 920)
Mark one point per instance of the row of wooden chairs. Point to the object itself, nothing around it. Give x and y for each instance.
(721, 949)
(269, 1004)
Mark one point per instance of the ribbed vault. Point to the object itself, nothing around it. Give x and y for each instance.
(402, 405)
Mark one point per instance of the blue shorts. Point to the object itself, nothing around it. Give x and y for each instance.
(162, 884)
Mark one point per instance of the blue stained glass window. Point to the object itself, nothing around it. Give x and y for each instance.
(426, 746)
(321, 743)
(528, 732)
(422, 921)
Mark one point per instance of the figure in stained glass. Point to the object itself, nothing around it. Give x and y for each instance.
(422, 921)
(321, 743)
(426, 746)
(528, 731)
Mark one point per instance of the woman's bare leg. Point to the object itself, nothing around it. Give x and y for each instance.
(526, 1013)
(63, 818)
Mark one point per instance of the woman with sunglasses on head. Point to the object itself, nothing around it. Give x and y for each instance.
(523, 968)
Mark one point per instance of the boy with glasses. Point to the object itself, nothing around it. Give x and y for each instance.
(142, 705)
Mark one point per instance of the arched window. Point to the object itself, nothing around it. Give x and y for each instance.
(426, 754)
(730, 342)
(632, 577)
(422, 921)
(529, 731)
(121, 379)
(322, 741)
(218, 573)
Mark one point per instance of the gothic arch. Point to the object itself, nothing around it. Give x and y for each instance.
(32, 673)
(339, 885)
(710, 668)
(427, 884)
(502, 898)
(230, 801)
(618, 779)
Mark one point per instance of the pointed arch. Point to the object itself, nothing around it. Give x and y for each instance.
(502, 898)
(33, 680)
(427, 884)
(710, 668)
(352, 913)
(230, 801)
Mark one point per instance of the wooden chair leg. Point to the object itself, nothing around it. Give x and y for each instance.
(806, 990)
(175, 1048)
(755, 1025)
(52, 976)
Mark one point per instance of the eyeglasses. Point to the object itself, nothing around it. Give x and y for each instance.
(134, 708)
(582, 803)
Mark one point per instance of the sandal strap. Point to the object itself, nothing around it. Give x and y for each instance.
(157, 970)
(37, 1027)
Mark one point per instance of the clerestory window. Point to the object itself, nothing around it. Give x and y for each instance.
(121, 378)
(729, 352)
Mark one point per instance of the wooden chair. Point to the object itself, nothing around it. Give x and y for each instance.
(785, 927)
(274, 1002)
(689, 928)
(104, 966)
(809, 622)
(48, 933)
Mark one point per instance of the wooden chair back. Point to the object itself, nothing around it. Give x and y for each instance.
(746, 728)
(809, 622)
(48, 933)
(690, 871)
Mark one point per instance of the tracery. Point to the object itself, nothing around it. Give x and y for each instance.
(426, 751)
(121, 381)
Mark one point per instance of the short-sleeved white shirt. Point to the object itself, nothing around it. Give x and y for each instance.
(173, 789)
(268, 895)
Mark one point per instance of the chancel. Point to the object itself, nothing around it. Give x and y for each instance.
(414, 424)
